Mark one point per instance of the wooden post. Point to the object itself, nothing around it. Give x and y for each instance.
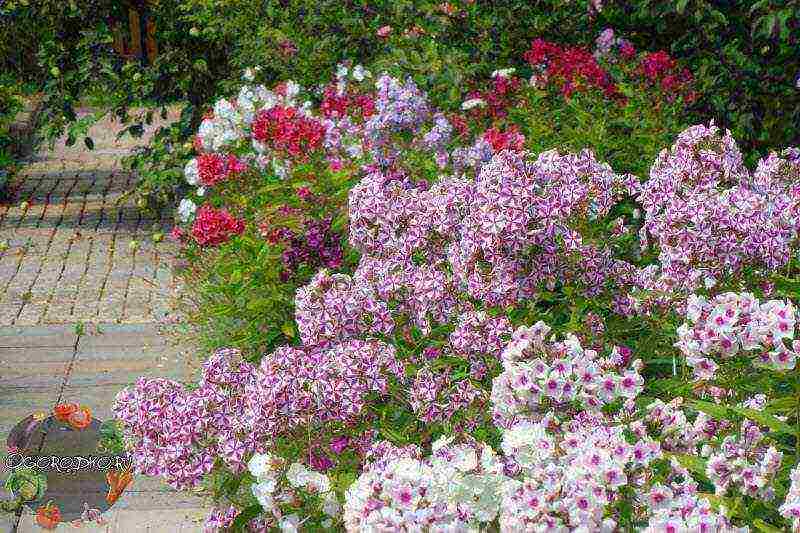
(136, 33)
(119, 40)
(150, 42)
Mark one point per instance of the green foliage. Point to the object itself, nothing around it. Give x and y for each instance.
(745, 56)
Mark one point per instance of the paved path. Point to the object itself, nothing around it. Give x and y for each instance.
(74, 252)
(83, 294)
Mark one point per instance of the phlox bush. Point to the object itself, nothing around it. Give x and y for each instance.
(509, 339)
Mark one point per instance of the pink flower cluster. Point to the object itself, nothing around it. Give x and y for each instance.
(499, 97)
(336, 104)
(660, 68)
(178, 434)
(511, 139)
(213, 227)
(731, 324)
(571, 68)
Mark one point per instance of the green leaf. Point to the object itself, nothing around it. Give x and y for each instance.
(694, 464)
(288, 329)
(680, 6)
(712, 409)
(767, 528)
(245, 516)
(765, 419)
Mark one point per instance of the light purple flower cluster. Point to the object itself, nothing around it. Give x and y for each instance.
(334, 307)
(710, 218)
(435, 398)
(399, 107)
(220, 519)
(477, 334)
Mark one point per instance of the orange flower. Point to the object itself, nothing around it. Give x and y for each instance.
(80, 419)
(48, 516)
(64, 410)
(117, 483)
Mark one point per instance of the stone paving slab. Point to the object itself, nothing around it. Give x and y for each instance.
(38, 337)
(177, 520)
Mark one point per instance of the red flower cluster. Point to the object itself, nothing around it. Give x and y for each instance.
(459, 124)
(657, 64)
(336, 106)
(660, 68)
(570, 66)
(286, 129)
(511, 139)
(215, 226)
(214, 168)
(498, 98)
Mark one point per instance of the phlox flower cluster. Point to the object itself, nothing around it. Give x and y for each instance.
(456, 489)
(399, 107)
(209, 169)
(335, 307)
(745, 461)
(543, 378)
(311, 386)
(220, 519)
(435, 398)
(659, 67)
(511, 139)
(675, 431)
(277, 484)
(790, 509)
(734, 324)
(213, 227)
(571, 68)
(607, 43)
(676, 506)
(497, 98)
(567, 479)
(711, 218)
(318, 246)
(740, 460)
(288, 131)
(178, 434)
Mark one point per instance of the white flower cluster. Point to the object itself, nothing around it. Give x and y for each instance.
(456, 489)
(732, 323)
(269, 473)
(567, 481)
(791, 506)
(539, 376)
(466, 105)
(679, 507)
